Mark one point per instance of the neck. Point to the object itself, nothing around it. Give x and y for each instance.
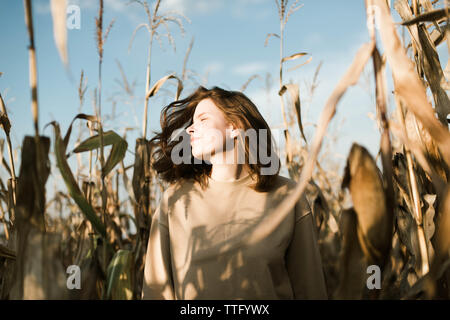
(228, 172)
(225, 166)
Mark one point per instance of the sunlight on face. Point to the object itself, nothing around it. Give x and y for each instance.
(208, 131)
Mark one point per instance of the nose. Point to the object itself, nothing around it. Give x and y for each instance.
(190, 129)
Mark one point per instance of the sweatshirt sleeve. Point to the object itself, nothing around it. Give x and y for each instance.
(303, 260)
(158, 281)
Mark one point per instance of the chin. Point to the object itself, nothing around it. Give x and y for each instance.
(201, 155)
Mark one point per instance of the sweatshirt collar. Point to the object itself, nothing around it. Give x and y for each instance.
(241, 181)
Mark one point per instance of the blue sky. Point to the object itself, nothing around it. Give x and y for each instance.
(228, 49)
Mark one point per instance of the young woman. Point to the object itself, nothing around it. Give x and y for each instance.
(223, 180)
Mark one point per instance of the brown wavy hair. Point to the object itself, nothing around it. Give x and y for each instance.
(237, 108)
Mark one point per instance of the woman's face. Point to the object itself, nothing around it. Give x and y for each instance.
(209, 130)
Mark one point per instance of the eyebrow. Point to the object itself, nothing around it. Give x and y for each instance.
(201, 114)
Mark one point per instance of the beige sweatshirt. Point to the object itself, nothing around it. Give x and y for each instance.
(189, 254)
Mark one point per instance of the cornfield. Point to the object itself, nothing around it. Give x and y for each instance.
(398, 220)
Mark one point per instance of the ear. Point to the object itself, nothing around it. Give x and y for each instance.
(234, 132)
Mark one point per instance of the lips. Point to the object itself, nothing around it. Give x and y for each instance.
(193, 139)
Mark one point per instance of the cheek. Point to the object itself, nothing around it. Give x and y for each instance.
(214, 137)
(210, 140)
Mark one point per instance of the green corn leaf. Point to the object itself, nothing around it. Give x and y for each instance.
(92, 143)
(119, 275)
(115, 156)
(78, 116)
(72, 186)
(118, 150)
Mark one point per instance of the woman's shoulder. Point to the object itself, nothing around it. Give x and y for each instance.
(176, 190)
(287, 185)
(284, 183)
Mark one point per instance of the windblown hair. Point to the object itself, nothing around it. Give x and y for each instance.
(237, 109)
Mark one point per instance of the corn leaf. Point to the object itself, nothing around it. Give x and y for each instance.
(72, 186)
(58, 9)
(5, 252)
(294, 56)
(92, 143)
(115, 156)
(426, 17)
(369, 201)
(295, 98)
(78, 116)
(268, 37)
(434, 74)
(407, 83)
(160, 83)
(352, 262)
(119, 275)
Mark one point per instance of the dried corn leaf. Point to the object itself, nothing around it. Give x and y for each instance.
(301, 64)
(441, 261)
(58, 9)
(428, 222)
(4, 122)
(429, 16)
(404, 10)
(407, 83)
(434, 74)
(369, 201)
(5, 252)
(295, 98)
(443, 227)
(39, 273)
(419, 136)
(426, 5)
(385, 142)
(352, 262)
(33, 174)
(268, 37)
(153, 90)
(91, 276)
(407, 233)
(5, 164)
(437, 37)
(141, 183)
(294, 56)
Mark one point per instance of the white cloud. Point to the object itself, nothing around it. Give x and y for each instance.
(245, 9)
(250, 68)
(213, 67)
(238, 8)
(41, 7)
(191, 7)
(188, 8)
(115, 6)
